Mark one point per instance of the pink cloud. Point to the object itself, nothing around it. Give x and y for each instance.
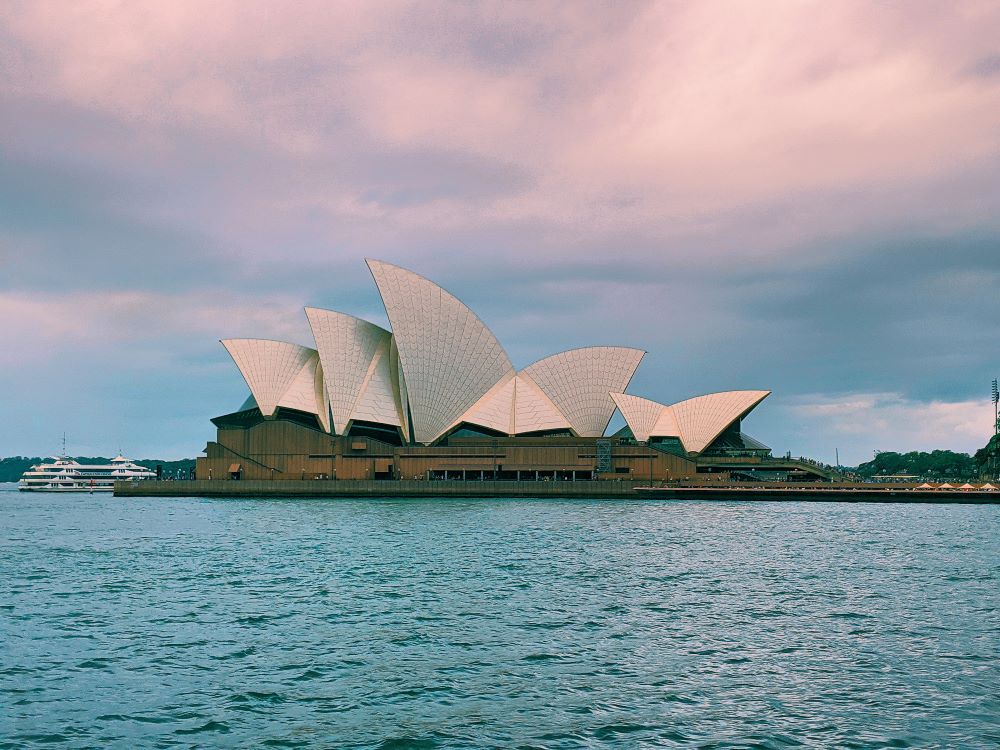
(672, 120)
(665, 85)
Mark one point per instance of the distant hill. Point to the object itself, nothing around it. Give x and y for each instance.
(12, 468)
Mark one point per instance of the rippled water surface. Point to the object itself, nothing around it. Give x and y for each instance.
(509, 623)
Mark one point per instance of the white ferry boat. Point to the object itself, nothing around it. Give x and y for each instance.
(65, 474)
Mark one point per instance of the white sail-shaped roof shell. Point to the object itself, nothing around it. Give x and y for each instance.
(702, 419)
(666, 425)
(515, 406)
(279, 373)
(301, 392)
(641, 415)
(697, 421)
(579, 382)
(441, 366)
(399, 388)
(449, 358)
(350, 350)
(378, 401)
(533, 410)
(307, 392)
(495, 409)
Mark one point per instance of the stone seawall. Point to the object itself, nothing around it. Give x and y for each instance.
(856, 493)
(362, 488)
(580, 489)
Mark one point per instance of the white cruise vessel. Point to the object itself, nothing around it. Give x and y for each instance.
(65, 474)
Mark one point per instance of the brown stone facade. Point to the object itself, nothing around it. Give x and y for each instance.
(284, 450)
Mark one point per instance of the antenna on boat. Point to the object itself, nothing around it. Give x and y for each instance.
(64, 444)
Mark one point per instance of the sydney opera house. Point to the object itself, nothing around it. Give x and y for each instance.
(437, 397)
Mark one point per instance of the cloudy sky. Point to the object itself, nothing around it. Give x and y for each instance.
(797, 196)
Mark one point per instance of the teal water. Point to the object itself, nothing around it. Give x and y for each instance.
(161, 623)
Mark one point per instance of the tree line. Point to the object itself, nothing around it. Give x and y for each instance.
(939, 464)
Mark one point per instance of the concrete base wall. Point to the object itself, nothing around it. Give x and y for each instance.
(857, 493)
(593, 489)
(362, 488)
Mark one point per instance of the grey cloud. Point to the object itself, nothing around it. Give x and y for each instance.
(63, 228)
(986, 67)
(910, 313)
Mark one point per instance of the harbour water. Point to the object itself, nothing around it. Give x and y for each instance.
(186, 622)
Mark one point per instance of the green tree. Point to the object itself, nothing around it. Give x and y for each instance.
(937, 464)
(988, 457)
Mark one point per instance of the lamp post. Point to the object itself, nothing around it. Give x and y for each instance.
(996, 423)
(996, 401)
